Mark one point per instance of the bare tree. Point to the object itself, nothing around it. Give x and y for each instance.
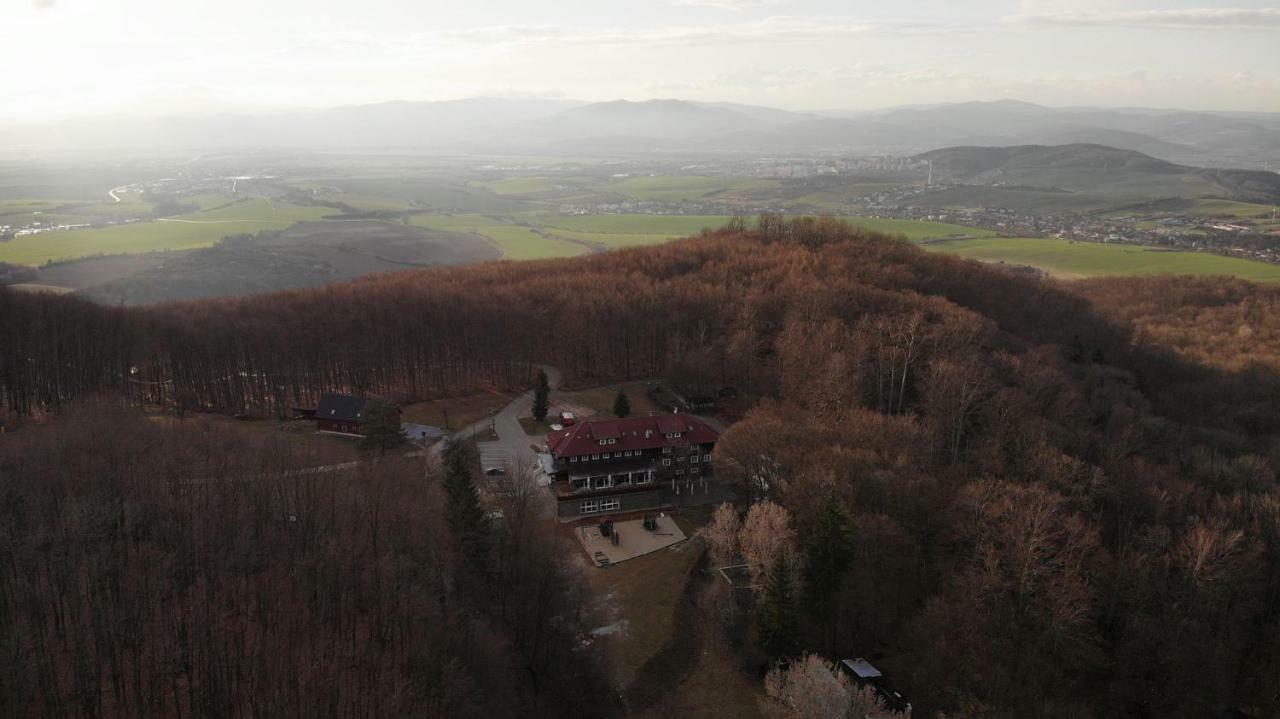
(765, 535)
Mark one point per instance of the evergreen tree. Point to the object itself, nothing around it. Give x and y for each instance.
(463, 510)
(540, 397)
(621, 405)
(828, 553)
(381, 428)
(777, 619)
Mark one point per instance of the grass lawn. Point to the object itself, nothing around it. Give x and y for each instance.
(461, 411)
(647, 590)
(601, 399)
(534, 428)
(1087, 259)
(301, 434)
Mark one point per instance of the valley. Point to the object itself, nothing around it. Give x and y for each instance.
(129, 241)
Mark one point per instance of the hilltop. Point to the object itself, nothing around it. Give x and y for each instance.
(1098, 169)
(992, 444)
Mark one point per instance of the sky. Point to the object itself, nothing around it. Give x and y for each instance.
(66, 58)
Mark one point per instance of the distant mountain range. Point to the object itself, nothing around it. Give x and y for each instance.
(507, 125)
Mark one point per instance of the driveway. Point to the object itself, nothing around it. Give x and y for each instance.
(513, 448)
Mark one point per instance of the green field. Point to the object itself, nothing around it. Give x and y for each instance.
(673, 188)
(518, 185)
(200, 229)
(518, 242)
(1064, 258)
(563, 235)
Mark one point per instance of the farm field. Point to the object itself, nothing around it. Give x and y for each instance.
(516, 241)
(1082, 259)
(185, 232)
(671, 188)
(519, 185)
(542, 235)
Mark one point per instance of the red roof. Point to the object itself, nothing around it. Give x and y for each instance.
(631, 433)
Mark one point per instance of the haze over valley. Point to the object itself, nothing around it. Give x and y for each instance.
(766, 359)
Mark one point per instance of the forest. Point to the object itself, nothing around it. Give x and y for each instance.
(1033, 498)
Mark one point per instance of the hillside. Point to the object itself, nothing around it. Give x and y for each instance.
(1098, 169)
(1006, 494)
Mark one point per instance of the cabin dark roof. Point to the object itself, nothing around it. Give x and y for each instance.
(341, 407)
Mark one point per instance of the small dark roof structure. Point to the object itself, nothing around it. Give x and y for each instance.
(860, 668)
(341, 408)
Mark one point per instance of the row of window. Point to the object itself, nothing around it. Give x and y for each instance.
(666, 461)
(607, 455)
(605, 481)
(591, 506)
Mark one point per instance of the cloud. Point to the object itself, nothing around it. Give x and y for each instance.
(1190, 18)
(773, 29)
(729, 4)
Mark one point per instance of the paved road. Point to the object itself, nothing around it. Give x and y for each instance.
(513, 449)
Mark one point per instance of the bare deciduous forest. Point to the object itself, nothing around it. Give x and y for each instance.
(1063, 498)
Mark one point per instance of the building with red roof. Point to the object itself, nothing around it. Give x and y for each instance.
(614, 466)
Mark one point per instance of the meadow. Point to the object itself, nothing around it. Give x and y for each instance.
(1063, 258)
(674, 188)
(517, 242)
(184, 232)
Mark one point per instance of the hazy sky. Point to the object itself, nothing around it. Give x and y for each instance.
(64, 57)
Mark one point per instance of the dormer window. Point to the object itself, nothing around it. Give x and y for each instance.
(603, 442)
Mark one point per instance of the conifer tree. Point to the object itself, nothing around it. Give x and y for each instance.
(777, 619)
(463, 511)
(382, 430)
(621, 405)
(828, 554)
(540, 397)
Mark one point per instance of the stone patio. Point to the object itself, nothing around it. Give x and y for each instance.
(633, 540)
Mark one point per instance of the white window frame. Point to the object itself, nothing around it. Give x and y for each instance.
(706, 457)
(595, 506)
(666, 461)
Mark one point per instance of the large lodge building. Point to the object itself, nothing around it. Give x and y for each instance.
(616, 466)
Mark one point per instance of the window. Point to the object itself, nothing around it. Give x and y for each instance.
(573, 459)
(595, 456)
(639, 477)
(706, 458)
(666, 450)
(601, 481)
(602, 442)
(617, 454)
(695, 470)
(613, 441)
(676, 435)
(666, 462)
(694, 458)
(581, 483)
(592, 506)
(679, 471)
